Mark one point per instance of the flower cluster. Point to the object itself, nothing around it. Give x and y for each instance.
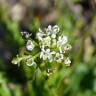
(51, 46)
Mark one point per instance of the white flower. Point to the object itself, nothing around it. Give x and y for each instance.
(26, 34)
(59, 57)
(22, 33)
(62, 40)
(52, 31)
(30, 46)
(49, 29)
(56, 28)
(40, 34)
(67, 47)
(30, 62)
(46, 54)
(53, 35)
(46, 41)
(67, 61)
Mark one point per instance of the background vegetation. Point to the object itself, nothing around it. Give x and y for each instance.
(76, 18)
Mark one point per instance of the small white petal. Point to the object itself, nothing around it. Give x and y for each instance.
(67, 61)
(30, 46)
(62, 40)
(40, 36)
(49, 27)
(56, 28)
(26, 34)
(59, 57)
(53, 35)
(53, 52)
(46, 41)
(40, 30)
(67, 47)
(48, 50)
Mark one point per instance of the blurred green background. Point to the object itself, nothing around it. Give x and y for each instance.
(76, 18)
